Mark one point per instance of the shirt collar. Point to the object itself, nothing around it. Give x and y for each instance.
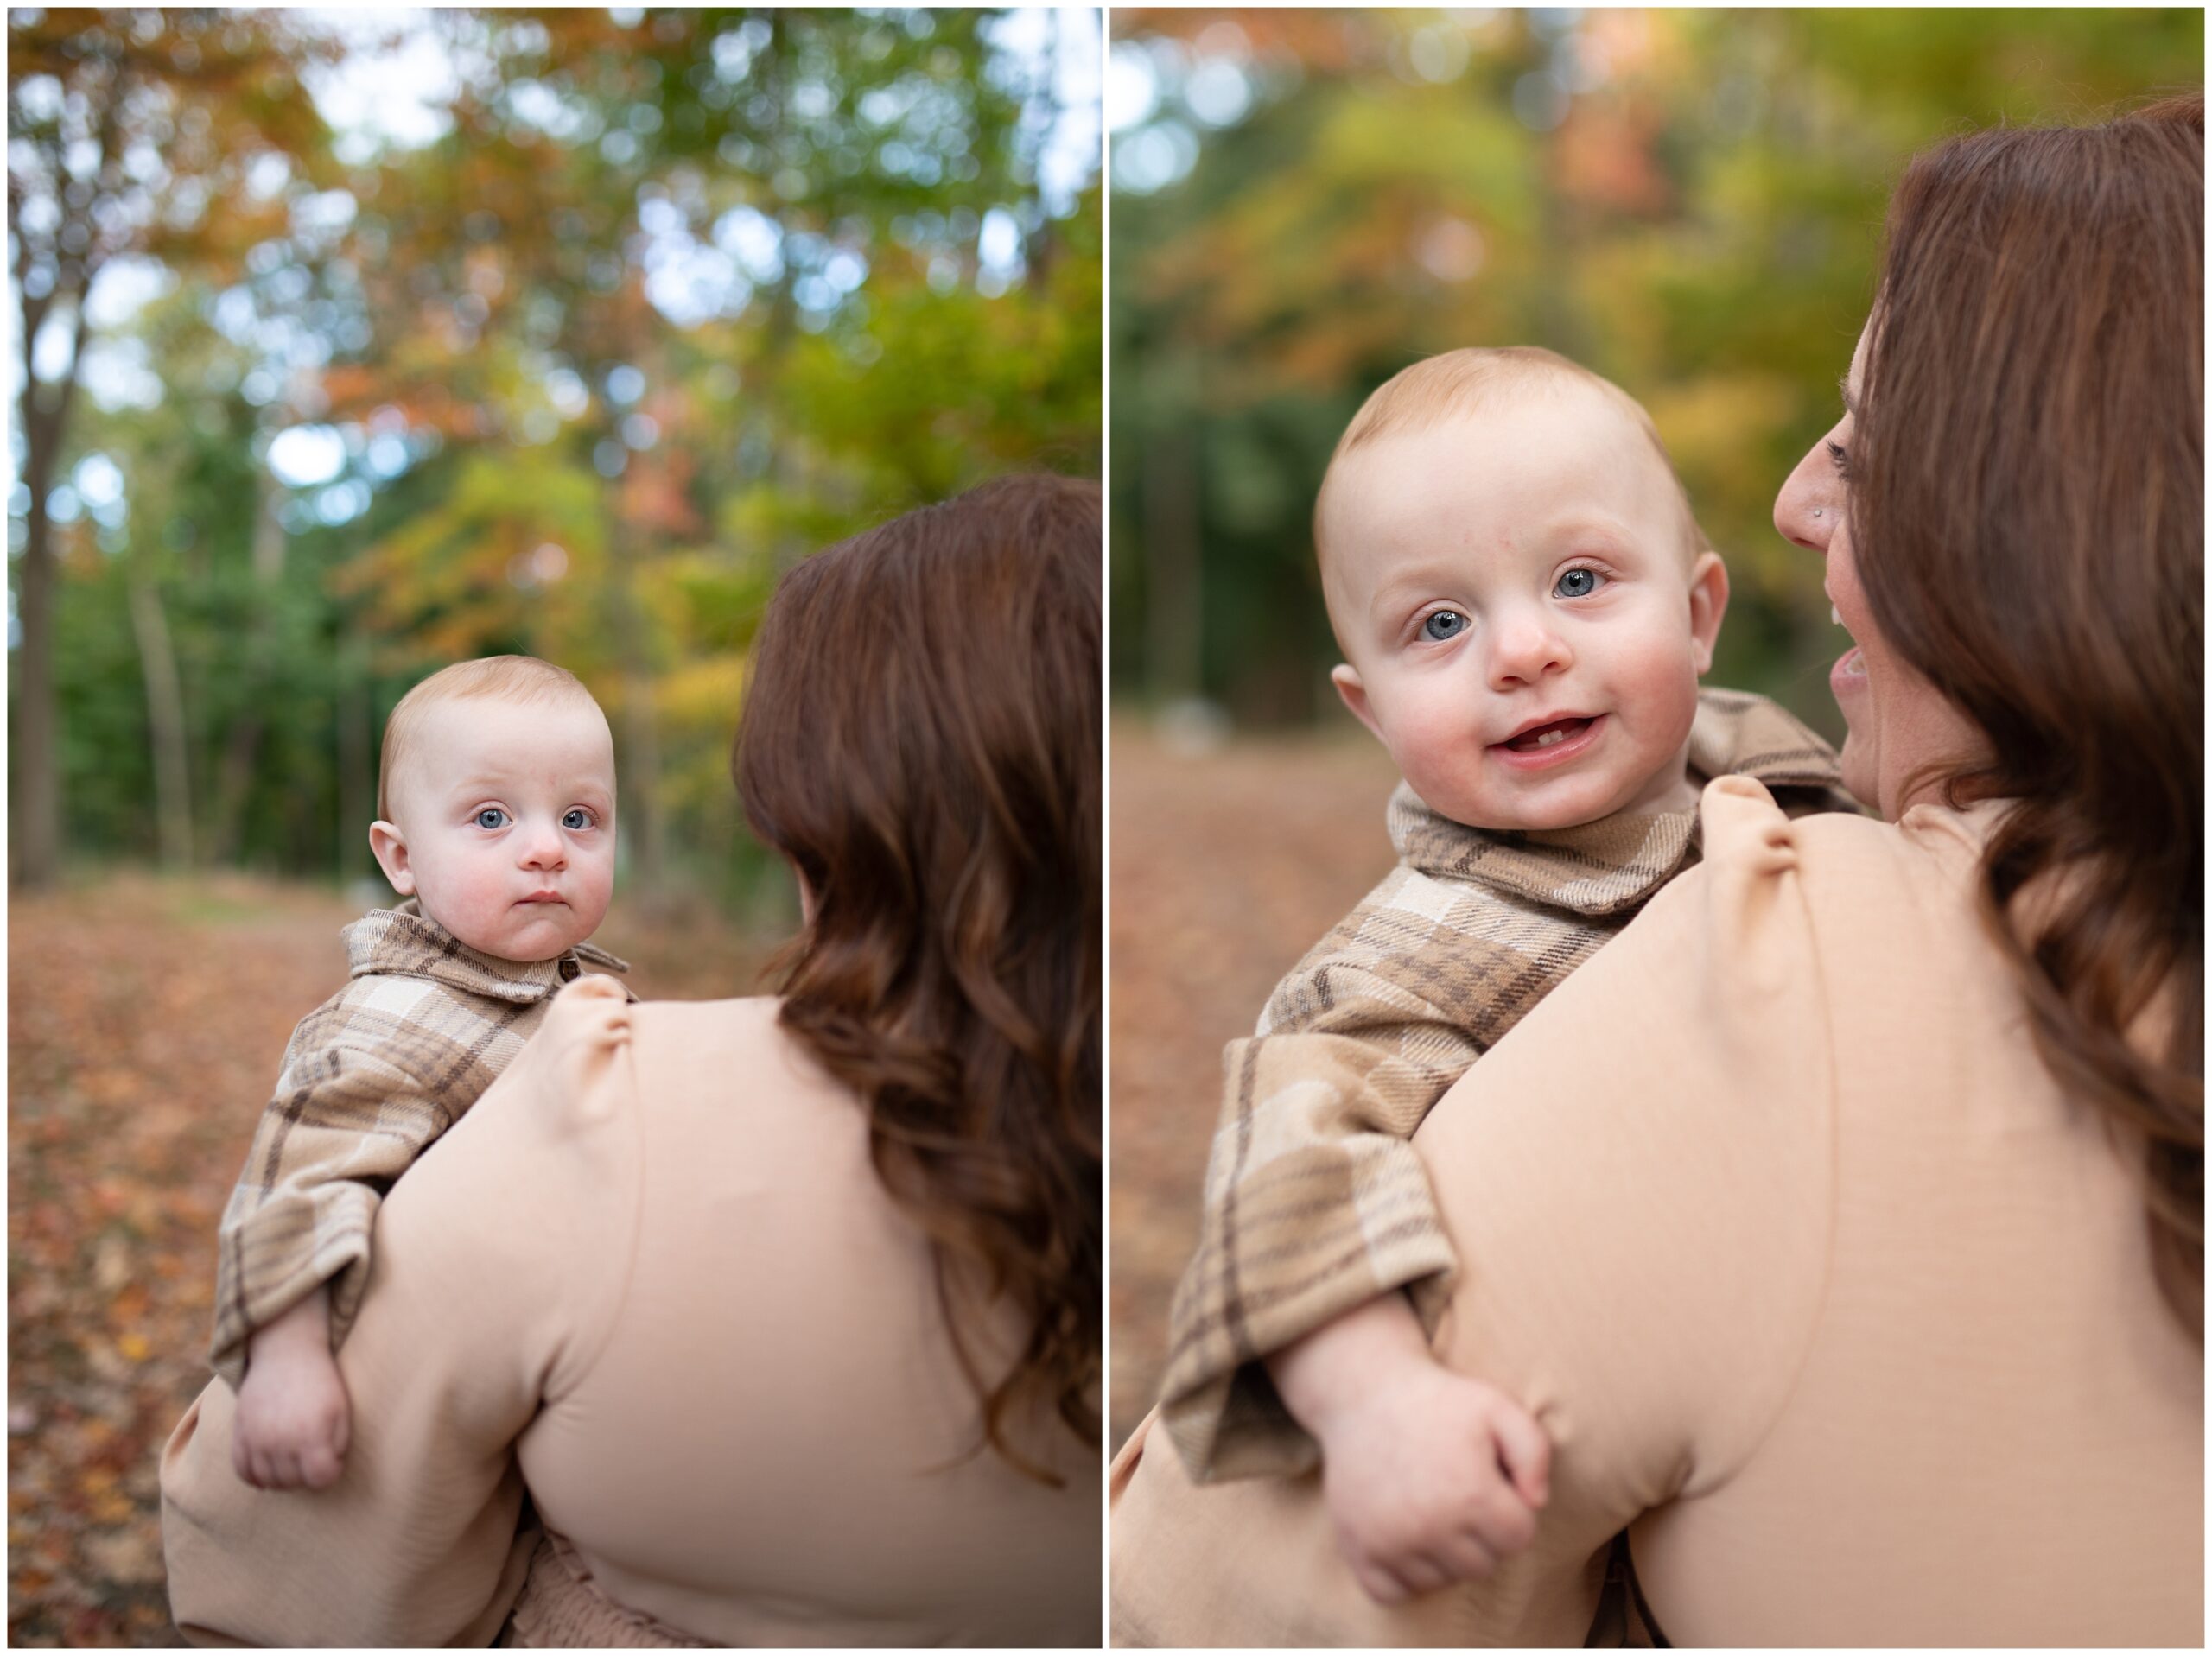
(404, 941)
(1613, 864)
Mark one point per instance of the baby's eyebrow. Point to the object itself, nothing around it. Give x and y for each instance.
(1850, 402)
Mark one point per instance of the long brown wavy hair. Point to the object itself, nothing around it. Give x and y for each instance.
(2027, 506)
(921, 740)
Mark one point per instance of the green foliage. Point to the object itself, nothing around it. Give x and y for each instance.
(549, 443)
(1701, 226)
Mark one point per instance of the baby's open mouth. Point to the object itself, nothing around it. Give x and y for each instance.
(1542, 736)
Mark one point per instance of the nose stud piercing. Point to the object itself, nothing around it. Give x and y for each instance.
(1820, 511)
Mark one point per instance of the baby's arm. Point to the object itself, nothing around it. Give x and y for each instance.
(294, 1420)
(1431, 1477)
(1293, 1337)
(292, 1251)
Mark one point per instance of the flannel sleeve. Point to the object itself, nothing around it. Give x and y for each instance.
(345, 1121)
(1315, 1201)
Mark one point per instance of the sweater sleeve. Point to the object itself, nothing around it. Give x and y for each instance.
(501, 1260)
(1646, 1176)
(345, 1122)
(1638, 1181)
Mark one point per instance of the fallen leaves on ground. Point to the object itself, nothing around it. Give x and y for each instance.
(1228, 865)
(146, 1018)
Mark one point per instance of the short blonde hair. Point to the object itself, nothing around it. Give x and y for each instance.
(1435, 389)
(502, 678)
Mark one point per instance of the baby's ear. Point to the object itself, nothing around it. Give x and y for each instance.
(390, 848)
(1349, 686)
(1708, 602)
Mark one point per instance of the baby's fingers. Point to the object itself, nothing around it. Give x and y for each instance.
(1525, 1450)
(1380, 1584)
(318, 1467)
(1423, 1572)
(1504, 1522)
(1467, 1556)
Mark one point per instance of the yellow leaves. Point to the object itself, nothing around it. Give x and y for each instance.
(702, 695)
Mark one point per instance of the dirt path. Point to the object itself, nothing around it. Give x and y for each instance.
(1226, 868)
(146, 1018)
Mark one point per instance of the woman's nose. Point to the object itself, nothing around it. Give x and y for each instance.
(1805, 511)
(1524, 651)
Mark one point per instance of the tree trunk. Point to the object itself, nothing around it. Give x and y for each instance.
(357, 775)
(164, 722)
(1174, 638)
(242, 746)
(640, 818)
(35, 844)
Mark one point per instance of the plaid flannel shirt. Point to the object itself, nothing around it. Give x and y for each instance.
(371, 1078)
(1315, 1202)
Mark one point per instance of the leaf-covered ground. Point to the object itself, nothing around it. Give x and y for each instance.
(146, 1018)
(1227, 867)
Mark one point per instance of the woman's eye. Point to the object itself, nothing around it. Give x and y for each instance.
(491, 817)
(1445, 624)
(576, 821)
(1577, 583)
(1841, 458)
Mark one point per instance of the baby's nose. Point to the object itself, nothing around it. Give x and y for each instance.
(1525, 651)
(543, 849)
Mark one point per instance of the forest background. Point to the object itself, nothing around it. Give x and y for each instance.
(349, 344)
(1689, 201)
(562, 332)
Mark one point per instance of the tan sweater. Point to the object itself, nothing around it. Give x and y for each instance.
(1817, 1281)
(651, 1276)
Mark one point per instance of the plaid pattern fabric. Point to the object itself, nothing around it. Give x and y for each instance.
(371, 1078)
(1315, 1202)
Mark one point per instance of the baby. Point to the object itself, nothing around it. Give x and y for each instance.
(496, 808)
(1525, 604)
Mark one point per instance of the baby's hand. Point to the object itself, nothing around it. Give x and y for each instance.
(293, 1421)
(1432, 1478)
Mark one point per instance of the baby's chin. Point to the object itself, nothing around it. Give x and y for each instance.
(1541, 811)
(526, 944)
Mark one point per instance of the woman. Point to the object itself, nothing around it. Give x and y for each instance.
(1842, 1220)
(784, 1313)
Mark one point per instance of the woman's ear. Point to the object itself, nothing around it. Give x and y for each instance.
(1346, 678)
(1708, 602)
(390, 848)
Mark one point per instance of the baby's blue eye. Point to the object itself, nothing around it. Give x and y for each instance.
(1577, 583)
(1445, 624)
(576, 821)
(491, 817)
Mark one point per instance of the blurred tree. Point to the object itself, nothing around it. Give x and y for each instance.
(123, 127)
(673, 298)
(1687, 202)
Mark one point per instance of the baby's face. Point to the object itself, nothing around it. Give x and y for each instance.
(1524, 624)
(505, 825)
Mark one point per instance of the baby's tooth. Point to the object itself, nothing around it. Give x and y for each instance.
(1835, 615)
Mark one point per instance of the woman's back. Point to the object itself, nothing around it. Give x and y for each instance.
(1778, 1224)
(773, 1446)
(1994, 1433)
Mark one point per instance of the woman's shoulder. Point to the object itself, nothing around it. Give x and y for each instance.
(723, 1040)
(712, 1067)
(1910, 874)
